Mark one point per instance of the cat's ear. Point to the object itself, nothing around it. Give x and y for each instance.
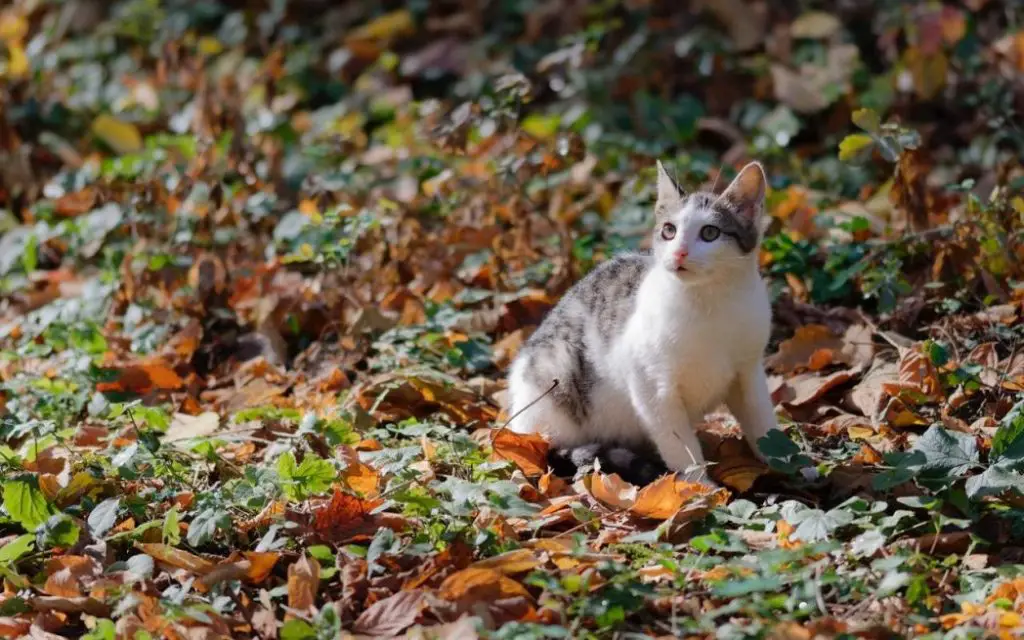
(669, 193)
(745, 195)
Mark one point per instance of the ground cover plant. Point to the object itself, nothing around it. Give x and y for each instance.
(263, 265)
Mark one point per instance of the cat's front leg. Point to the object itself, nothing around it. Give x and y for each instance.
(667, 424)
(751, 404)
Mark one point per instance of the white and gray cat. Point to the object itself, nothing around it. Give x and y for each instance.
(646, 344)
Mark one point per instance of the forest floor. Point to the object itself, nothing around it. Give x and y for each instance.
(263, 266)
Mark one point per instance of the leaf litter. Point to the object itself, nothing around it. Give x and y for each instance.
(261, 277)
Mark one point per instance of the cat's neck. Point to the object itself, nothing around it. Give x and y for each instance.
(666, 288)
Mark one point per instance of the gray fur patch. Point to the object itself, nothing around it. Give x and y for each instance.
(559, 349)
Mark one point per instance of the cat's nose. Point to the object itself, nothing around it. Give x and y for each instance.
(680, 256)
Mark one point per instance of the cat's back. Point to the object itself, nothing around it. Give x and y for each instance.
(600, 303)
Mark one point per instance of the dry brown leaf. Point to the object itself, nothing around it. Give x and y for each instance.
(480, 585)
(527, 451)
(868, 395)
(808, 387)
(186, 427)
(985, 355)
(392, 615)
(303, 584)
(66, 573)
(510, 562)
(815, 347)
(735, 466)
(176, 557)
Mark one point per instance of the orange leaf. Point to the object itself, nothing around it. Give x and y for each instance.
(510, 562)
(361, 478)
(611, 490)
(261, 564)
(665, 496)
(529, 452)
(65, 574)
(176, 558)
(303, 583)
(480, 585)
(736, 467)
(143, 378)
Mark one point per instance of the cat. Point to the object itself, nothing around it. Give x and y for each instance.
(642, 347)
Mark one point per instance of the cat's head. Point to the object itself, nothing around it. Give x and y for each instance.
(703, 236)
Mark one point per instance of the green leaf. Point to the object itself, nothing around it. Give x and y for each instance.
(867, 120)
(995, 480)
(103, 517)
(59, 530)
(813, 525)
(777, 444)
(104, 630)
(204, 526)
(947, 451)
(30, 254)
(853, 146)
(1008, 442)
(26, 503)
(16, 548)
(297, 630)
(171, 531)
(300, 481)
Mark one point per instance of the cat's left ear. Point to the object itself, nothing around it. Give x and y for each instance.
(669, 193)
(745, 195)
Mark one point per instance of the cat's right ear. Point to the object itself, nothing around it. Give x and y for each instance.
(669, 193)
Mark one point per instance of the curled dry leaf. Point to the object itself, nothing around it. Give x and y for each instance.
(65, 575)
(529, 452)
(735, 466)
(611, 490)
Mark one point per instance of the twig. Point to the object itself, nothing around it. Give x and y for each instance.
(532, 402)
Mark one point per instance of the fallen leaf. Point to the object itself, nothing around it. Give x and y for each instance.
(529, 452)
(122, 137)
(392, 615)
(611, 490)
(176, 558)
(815, 25)
(814, 347)
(186, 427)
(303, 584)
(480, 585)
(868, 395)
(808, 387)
(361, 478)
(142, 378)
(510, 562)
(64, 575)
(664, 497)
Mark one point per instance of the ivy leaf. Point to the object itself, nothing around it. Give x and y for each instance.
(813, 525)
(204, 526)
(995, 480)
(867, 119)
(59, 530)
(103, 517)
(26, 503)
(947, 451)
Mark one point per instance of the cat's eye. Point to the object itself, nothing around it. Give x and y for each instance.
(710, 233)
(668, 231)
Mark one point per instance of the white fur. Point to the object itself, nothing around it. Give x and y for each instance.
(695, 340)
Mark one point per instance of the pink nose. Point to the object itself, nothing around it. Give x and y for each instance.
(681, 256)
